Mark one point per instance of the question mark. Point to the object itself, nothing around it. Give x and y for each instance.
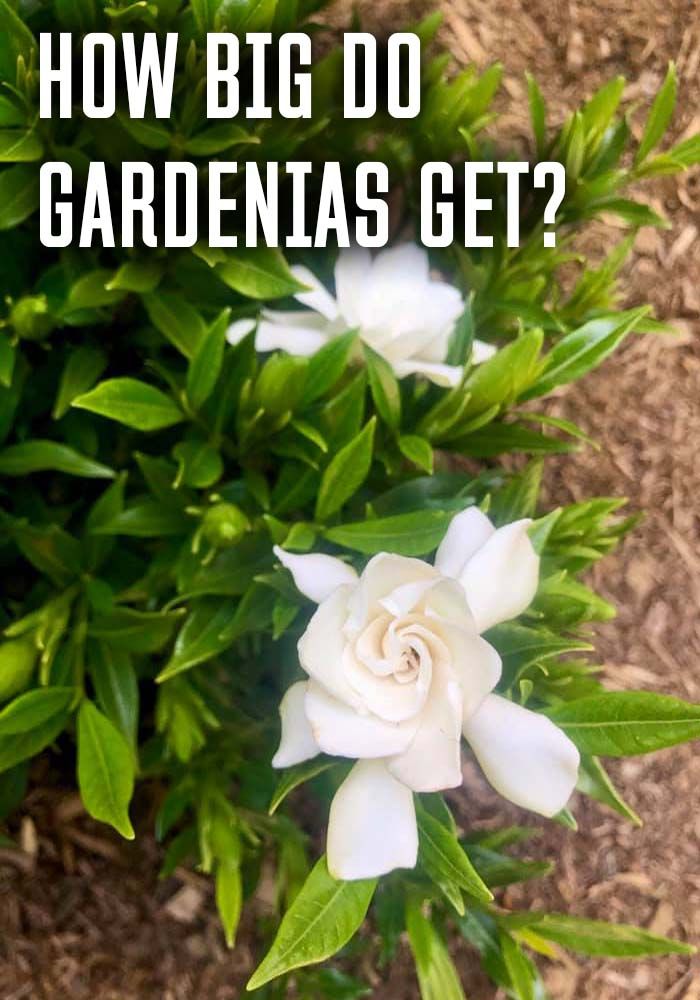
(557, 172)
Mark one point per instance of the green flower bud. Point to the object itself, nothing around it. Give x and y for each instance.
(224, 524)
(17, 660)
(31, 318)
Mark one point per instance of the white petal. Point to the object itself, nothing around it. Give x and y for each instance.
(467, 532)
(476, 664)
(372, 824)
(318, 298)
(322, 646)
(406, 263)
(445, 375)
(481, 351)
(240, 329)
(501, 579)
(433, 760)
(296, 742)
(524, 755)
(316, 575)
(351, 274)
(343, 732)
(290, 337)
(382, 575)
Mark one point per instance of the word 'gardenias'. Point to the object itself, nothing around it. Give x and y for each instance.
(293, 204)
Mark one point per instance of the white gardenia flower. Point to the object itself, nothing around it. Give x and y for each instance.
(391, 299)
(397, 672)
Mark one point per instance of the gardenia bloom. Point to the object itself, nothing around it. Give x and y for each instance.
(397, 672)
(397, 308)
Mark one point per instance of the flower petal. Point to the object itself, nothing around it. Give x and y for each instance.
(382, 575)
(296, 742)
(476, 663)
(316, 575)
(433, 760)
(351, 273)
(467, 532)
(343, 732)
(318, 297)
(481, 351)
(276, 335)
(445, 375)
(240, 329)
(372, 824)
(322, 646)
(501, 579)
(523, 754)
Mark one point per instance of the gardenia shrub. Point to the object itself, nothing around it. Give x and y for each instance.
(236, 485)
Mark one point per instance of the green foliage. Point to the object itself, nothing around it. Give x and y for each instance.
(147, 467)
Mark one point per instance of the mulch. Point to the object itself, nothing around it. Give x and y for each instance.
(82, 916)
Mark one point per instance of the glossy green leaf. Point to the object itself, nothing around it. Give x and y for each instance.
(412, 534)
(600, 939)
(84, 366)
(622, 723)
(659, 116)
(205, 366)
(346, 472)
(41, 456)
(444, 859)
(105, 769)
(34, 708)
(384, 388)
(177, 320)
(437, 977)
(259, 273)
(19, 195)
(322, 918)
(131, 402)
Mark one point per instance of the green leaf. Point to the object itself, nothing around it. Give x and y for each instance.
(218, 138)
(413, 534)
(537, 114)
(177, 320)
(205, 366)
(19, 146)
(105, 769)
(116, 687)
(34, 708)
(584, 349)
(295, 776)
(327, 365)
(41, 456)
(229, 898)
(322, 918)
(259, 273)
(137, 276)
(346, 472)
(148, 519)
(150, 134)
(199, 464)
(622, 723)
(600, 939)
(202, 637)
(131, 402)
(659, 116)
(135, 631)
(22, 746)
(519, 968)
(84, 366)
(498, 381)
(594, 781)
(90, 291)
(384, 388)
(417, 450)
(437, 977)
(19, 195)
(444, 858)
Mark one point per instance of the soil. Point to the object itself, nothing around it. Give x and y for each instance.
(84, 916)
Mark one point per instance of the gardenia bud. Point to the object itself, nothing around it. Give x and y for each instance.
(31, 319)
(224, 525)
(17, 660)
